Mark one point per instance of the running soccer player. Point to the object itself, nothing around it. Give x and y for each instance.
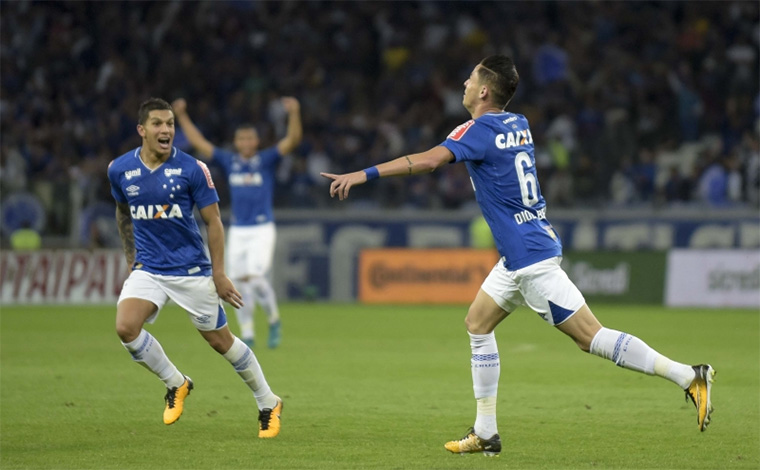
(497, 148)
(252, 234)
(155, 187)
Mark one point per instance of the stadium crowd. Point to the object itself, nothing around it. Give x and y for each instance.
(641, 104)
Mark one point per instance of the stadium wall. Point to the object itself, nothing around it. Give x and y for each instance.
(612, 256)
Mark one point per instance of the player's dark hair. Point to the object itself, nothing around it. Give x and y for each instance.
(500, 74)
(151, 104)
(245, 126)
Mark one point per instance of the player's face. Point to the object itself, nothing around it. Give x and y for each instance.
(158, 131)
(246, 142)
(471, 90)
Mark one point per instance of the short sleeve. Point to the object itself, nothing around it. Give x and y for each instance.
(223, 158)
(203, 189)
(113, 178)
(467, 141)
(270, 156)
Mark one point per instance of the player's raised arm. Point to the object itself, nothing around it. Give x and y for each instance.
(424, 162)
(295, 129)
(224, 286)
(194, 136)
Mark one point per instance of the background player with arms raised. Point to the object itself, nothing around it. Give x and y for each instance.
(497, 148)
(155, 187)
(252, 234)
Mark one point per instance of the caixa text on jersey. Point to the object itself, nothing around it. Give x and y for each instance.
(156, 211)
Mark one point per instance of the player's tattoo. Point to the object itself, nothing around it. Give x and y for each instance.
(126, 232)
(410, 163)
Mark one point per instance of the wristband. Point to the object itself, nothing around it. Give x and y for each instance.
(372, 173)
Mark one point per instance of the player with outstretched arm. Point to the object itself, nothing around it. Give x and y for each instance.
(497, 148)
(155, 187)
(252, 234)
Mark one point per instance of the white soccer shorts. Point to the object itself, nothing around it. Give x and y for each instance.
(250, 250)
(196, 294)
(544, 287)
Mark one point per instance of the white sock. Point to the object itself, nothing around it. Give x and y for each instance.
(266, 298)
(244, 361)
(245, 313)
(485, 422)
(485, 382)
(681, 374)
(146, 351)
(631, 353)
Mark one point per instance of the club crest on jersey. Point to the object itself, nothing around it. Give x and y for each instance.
(129, 174)
(513, 139)
(460, 130)
(156, 211)
(172, 171)
(133, 190)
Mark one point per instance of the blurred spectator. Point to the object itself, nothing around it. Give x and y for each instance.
(22, 220)
(550, 63)
(677, 188)
(560, 190)
(606, 81)
(25, 239)
(454, 186)
(643, 175)
(690, 108)
(301, 186)
(713, 184)
(734, 181)
(585, 181)
(750, 155)
(622, 187)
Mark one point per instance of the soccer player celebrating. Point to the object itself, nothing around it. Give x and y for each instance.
(251, 176)
(497, 148)
(155, 187)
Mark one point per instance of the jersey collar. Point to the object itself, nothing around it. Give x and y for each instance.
(137, 156)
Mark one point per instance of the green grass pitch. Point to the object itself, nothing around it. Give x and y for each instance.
(374, 387)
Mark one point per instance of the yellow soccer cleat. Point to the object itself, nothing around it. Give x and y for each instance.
(471, 444)
(699, 392)
(269, 421)
(175, 401)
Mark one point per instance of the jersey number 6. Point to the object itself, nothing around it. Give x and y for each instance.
(528, 183)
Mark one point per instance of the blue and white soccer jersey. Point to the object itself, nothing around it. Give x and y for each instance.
(170, 256)
(251, 182)
(497, 149)
(251, 236)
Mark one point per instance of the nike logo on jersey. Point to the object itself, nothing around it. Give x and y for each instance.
(156, 211)
(513, 139)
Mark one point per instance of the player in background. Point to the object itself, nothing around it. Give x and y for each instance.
(155, 187)
(252, 233)
(497, 148)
